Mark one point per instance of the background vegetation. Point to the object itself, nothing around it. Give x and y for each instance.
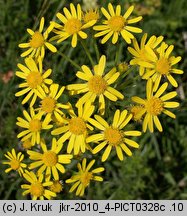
(158, 170)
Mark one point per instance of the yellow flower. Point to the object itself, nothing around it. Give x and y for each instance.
(56, 187)
(33, 125)
(34, 79)
(50, 160)
(72, 25)
(37, 188)
(84, 176)
(161, 65)
(116, 25)
(49, 104)
(113, 136)
(90, 15)
(140, 52)
(76, 129)
(15, 162)
(38, 42)
(97, 85)
(155, 104)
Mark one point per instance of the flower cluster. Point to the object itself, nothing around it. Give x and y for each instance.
(57, 135)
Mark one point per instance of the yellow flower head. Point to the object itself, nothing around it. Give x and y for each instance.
(38, 42)
(91, 15)
(37, 188)
(84, 176)
(72, 25)
(113, 136)
(34, 79)
(49, 104)
(155, 104)
(15, 162)
(117, 24)
(161, 65)
(76, 129)
(97, 85)
(50, 161)
(140, 52)
(33, 125)
(56, 187)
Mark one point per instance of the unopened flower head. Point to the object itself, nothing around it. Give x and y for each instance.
(27, 144)
(56, 187)
(137, 112)
(122, 67)
(90, 15)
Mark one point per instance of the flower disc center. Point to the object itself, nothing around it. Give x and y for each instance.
(77, 126)
(113, 136)
(15, 164)
(163, 66)
(72, 26)
(35, 125)
(154, 106)
(37, 189)
(116, 23)
(37, 40)
(50, 158)
(34, 79)
(48, 104)
(97, 84)
(85, 178)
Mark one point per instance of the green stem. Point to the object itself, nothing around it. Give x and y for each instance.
(12, 187)
(96, 50)
(70, 60)
(117, 54)
(155, 142)
(87, 53)
(62, 3)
